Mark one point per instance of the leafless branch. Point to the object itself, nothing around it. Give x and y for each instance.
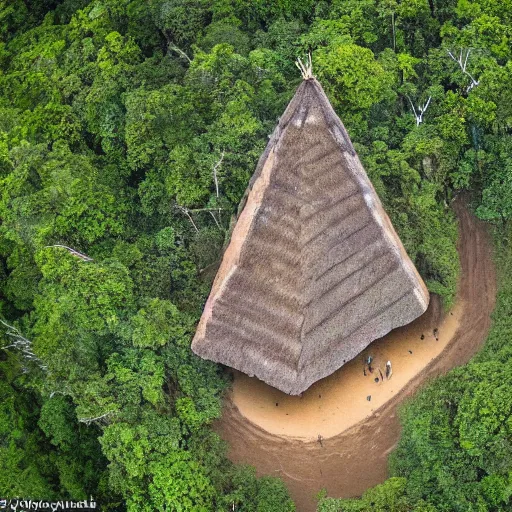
(205, 209)
(306, 70)
(215, 218)
(72, 251)
(100, 418)
(211, 211)
(53, 393)
(186, 211)
(179, 51)
(418, 114)
(466, 59)
(462, 61)
(412, 106)
(22, 344)
(394, 33)
(215, 167)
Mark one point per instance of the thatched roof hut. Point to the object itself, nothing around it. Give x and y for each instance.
(314, 270)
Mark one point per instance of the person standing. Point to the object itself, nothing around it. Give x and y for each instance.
(389, 370)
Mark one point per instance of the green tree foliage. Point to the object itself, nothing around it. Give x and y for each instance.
(387, 497)
(44, 450)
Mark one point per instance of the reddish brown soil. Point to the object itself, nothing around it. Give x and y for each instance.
(356, 459)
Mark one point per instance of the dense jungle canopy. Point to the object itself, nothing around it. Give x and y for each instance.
(129, 130)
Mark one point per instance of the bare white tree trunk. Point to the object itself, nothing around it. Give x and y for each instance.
(215, 167)
(88, 421)
(462, 61)
(22, 344)
(179, 51)
(72, 251)
(394, 33)
(418, 114)
(186, 211)
(215, 218)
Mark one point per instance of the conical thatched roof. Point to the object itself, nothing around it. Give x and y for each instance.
(314, 270)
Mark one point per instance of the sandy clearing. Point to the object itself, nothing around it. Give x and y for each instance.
(352, 461)
(339, 401)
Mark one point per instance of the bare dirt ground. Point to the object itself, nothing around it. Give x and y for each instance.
(351, 459)
(353, 393)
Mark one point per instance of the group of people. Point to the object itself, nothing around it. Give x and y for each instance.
(368, 362)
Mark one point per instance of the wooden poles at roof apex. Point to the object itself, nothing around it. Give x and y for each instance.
(305, 70)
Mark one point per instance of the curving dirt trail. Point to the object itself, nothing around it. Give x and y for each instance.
(349, 463)
(351, 394)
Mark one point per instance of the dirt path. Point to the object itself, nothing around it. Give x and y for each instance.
(354, 392)
(341, 464)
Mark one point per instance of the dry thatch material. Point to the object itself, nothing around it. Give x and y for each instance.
(314, 270)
